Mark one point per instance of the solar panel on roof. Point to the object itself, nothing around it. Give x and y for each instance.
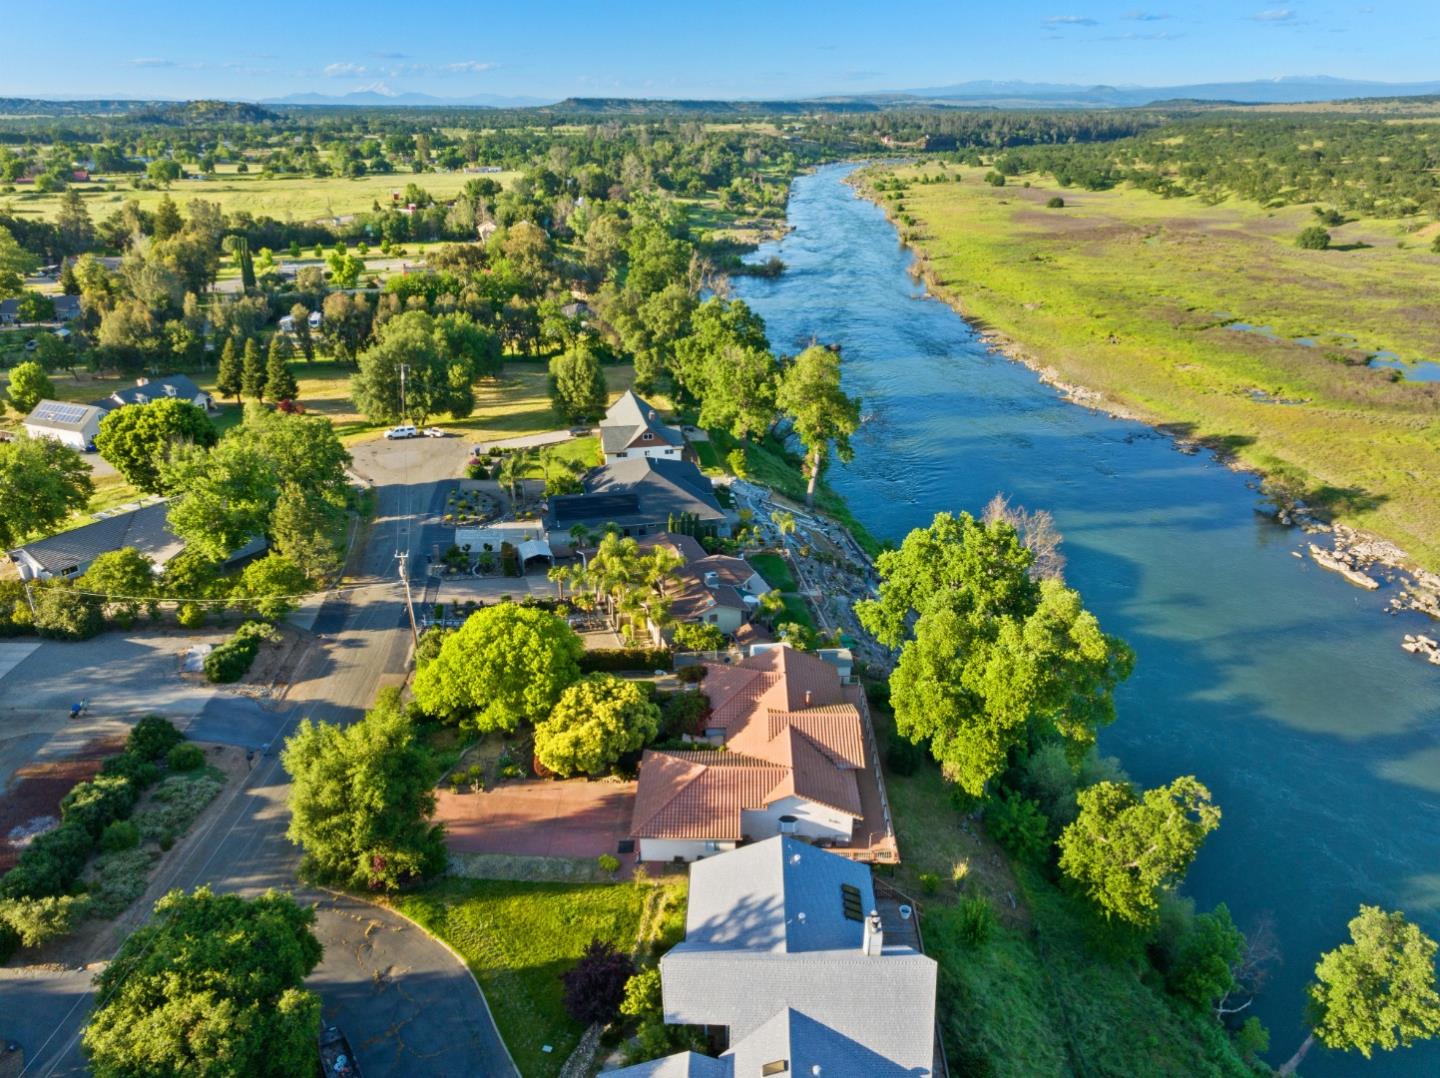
(60, 412)
(850, 900)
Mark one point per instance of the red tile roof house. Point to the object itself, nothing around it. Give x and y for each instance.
(797, 757)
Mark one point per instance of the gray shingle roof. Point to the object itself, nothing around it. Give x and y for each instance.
(169, 385)
(627, 421)
(640, 490)
(680, 1065)
(145, 529)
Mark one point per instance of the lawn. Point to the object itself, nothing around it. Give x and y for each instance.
(1037, 999)
(1130, 294)
(519, 938)
(774, 569)
(290, 198)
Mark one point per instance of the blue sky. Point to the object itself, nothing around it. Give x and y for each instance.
(738, 48)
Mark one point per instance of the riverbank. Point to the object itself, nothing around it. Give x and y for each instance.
(1108, 300)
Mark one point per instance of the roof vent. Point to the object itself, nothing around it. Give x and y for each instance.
(807, 697)
(712, 579)
(874, 939)
(794, 858)
(142, 381)
(650, 415)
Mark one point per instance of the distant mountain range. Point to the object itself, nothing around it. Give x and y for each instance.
(1289, 89)
(374, 98)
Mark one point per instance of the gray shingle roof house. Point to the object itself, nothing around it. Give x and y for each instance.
(146, 390)
(639, 495)
(783, 948)
(74, 425)
(632, 428)
(70, 553)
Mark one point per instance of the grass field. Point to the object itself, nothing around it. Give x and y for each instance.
(518, 938)
(297, 198)
(1129, 294)
(774, 569)
(1036, 1000)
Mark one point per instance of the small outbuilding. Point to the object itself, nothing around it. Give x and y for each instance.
(70, 424)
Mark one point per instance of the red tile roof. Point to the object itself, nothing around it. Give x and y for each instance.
(700, 795)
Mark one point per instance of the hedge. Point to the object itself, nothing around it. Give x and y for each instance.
(52, 862)
(613, 659)
(230, 661)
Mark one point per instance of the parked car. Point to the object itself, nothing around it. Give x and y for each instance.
(337, 1060)
(436, 432)
(405, 430)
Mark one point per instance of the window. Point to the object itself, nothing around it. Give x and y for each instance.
(647, 437)
(712, 846)
(776, 1066)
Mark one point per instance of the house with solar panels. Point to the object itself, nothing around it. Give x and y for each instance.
(70, 424)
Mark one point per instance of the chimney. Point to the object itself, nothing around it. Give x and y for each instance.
(874, 941)
(142, 381)
(712, 579)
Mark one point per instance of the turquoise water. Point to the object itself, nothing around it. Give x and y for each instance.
(1279, 685)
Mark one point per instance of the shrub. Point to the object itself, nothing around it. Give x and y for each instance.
(62, 613)
(185, 757)
(974, 921)
(929, 882)
(128, 765)
(995, 179)
(152, 737)
(690, 675)
(176, 803)
(39, 920)
(115, 880)
(119, 835)
(608, 862)
(1055, 202)
(49, 864)
(683, 713)
(595, 985)
(231, 660)
(1018, 825)
(9, 941)
(1314, 238)
(94, 804)
(697, 636)
(612, 659)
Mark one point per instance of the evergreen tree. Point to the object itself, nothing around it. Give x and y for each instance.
(252, 376)
(229, 379)
(280, 384)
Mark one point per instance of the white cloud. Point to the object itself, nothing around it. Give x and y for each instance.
(346, 71)
(1277, 14)
(1070, 20)
(152, 61)
(1145, 16)
(473, 67)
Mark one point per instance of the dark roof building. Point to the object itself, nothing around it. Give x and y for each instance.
(146, 390)
(639, 495)
(632, 428)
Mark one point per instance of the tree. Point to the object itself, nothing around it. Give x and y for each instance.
(810, 394)
(506, 665)
(991, 658)
(280, 384)
(15, 261)
(305, 529)
(29, 385)
(139, 440)
(213, 984)
(124, 579)
(596, 721)
(300, 318)
(434, 379)
(699, 636)
(1377, 991)
(252, 372)
(271, 585)
(717, 328)
(347, 323)
(167, 221)
(345, 268)
(362, 797)
(1037, 532)
(740, 392)
(77, 232)
(223, 496)
(54, 353)
(229, 376)
(577, 384)
(41, 483)
(1203, 968)
(1124, 850)
(163, 170)
(595, 985)
(1313, 238)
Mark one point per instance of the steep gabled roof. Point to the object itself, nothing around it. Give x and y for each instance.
(145, 529)
(168, 385)
(627, 422)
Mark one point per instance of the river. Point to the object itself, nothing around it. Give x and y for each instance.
(1280, 686)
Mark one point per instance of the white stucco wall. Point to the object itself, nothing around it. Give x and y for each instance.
(660, 449)
(815, 821)
(661, 849)
(76, 439)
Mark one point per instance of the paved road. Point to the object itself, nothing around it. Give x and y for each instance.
(407, 1004)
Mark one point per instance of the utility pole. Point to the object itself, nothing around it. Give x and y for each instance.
(402, 557)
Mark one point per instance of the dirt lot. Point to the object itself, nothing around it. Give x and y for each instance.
(32, 802)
